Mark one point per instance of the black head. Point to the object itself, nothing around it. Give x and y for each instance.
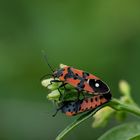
(98, 86)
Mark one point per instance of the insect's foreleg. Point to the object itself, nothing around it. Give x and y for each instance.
(53, 81)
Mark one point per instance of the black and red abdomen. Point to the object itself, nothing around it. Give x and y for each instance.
(73, 108)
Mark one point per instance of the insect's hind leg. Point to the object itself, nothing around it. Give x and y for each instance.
(58, 110)
(63, 85)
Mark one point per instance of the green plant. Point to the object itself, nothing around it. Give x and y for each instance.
(116, 107)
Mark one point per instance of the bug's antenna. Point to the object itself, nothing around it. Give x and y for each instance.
(46, 59)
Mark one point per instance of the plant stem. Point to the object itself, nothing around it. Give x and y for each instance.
(118, 105)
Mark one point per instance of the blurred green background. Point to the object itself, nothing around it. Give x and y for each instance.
(102, 37)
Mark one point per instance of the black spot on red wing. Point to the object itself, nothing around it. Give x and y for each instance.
(101, 97)
(78, 84)
(85, 74)
(75, 77)
(83, 86)
(65, 77)
(91, 99)
(69, 74)
(96, 99)
(86, 101)
(76, 74)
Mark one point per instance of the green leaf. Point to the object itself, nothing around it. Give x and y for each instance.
(135, 138)
(77, 122)
(122, 132)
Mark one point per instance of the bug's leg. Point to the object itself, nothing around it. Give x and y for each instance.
(63, 85)
(58, 110)
(54, 81)
(61, 95)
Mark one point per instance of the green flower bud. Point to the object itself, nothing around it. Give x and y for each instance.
(62, 65)
(125, 99)
(102, 116)
(47, 83)
(54, 95)
(124, 87)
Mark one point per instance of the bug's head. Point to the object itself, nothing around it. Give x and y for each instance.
(98, 86)
(54, 74)
(58, 73)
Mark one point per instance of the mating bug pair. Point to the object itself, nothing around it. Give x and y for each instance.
(83, 82)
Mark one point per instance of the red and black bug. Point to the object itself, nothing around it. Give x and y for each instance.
(71, 108)
(81, 80)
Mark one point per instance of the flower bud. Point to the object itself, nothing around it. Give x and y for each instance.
(62, 65)
(52, 86)
(102, 116)
(124, 87)
(54, 95)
